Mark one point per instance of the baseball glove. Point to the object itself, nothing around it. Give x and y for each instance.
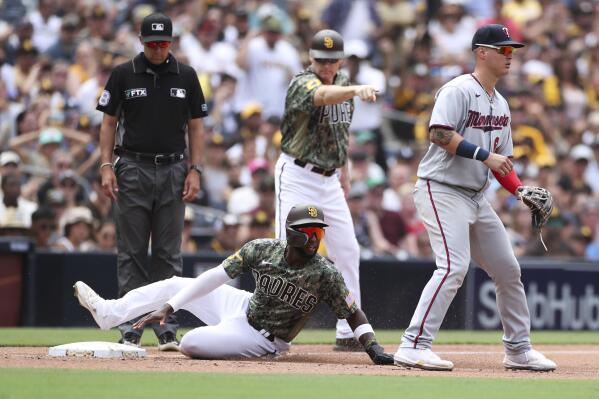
(540, 202)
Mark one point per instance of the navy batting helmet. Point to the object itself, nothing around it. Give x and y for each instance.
(302, 215)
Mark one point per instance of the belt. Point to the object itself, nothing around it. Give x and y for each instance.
(262, 331)
(315, 169)
(156, 159)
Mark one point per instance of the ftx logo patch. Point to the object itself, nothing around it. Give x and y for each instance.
(159, 27)
(178, 93)
(133, 93)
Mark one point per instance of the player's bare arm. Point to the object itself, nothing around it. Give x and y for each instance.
(331, 94)
(107, 131)
(455, 144)
(442, 137)
(365, 335)
(157, 316)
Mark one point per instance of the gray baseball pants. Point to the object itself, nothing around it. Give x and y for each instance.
(460, 225)
(149, 205)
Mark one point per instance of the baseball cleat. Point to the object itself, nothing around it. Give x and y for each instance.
(131, 340)
(168, 342)
(530, 360)
(424, 359)
(89, 300)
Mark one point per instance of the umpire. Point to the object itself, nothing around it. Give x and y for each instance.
(149, 104)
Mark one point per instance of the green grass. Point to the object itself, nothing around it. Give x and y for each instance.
(58, 336)
(64, 384)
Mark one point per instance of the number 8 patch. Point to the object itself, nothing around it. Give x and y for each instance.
(104, 98)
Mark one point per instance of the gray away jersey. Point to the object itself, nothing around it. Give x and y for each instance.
(463, 105)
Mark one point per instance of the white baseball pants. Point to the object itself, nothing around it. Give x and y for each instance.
(296, 185)
(461, 226)
(227, 333)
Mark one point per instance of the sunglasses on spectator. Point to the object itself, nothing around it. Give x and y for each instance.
(326, 60)
(503, 50)
(161, 44)
(310, 231)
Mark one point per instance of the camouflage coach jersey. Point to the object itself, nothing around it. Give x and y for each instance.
(286, 296)
(318, 135)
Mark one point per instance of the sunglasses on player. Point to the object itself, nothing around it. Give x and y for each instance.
(161, 44)
(310, 231)
(326, 60)
(503, 50)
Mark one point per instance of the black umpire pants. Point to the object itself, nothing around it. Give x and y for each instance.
(149, 207)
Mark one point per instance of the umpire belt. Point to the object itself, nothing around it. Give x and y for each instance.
(156, 159)
(261, 330)
(315, 169)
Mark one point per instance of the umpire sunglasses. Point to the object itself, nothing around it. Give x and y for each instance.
(503, 50)
(161, 44)
(310, 231)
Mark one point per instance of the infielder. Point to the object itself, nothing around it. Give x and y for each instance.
(470, 134)
(291, 279)
(312, 166)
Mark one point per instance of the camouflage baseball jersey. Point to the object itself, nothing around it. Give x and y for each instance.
(285, 296)
(318, 135)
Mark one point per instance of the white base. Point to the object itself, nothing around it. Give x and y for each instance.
(97, 349)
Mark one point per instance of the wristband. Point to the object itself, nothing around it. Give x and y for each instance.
(106, 164)
(468, 150)
(362, 329)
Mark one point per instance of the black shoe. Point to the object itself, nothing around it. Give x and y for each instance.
(348, 345)
(168, 342)
(131, 339)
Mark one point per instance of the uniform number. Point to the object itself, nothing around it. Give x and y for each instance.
(104, 98)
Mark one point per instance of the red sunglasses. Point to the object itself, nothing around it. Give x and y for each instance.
(310, 231)
(503, 50)
(161, 44)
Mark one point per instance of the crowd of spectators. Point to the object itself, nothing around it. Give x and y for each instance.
(56, 55)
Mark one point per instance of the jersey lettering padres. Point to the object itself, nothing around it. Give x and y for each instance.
(285, 296)
(463, 105)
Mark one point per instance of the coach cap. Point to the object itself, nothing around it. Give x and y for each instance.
(327, 44)
(494, 35)
(156, 27)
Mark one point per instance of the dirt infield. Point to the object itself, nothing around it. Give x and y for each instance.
(574, 362)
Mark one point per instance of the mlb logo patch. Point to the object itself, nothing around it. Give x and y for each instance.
(158, 27)
(178, 93)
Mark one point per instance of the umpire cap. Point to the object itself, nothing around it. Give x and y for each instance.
(327, 44)
(156, 27)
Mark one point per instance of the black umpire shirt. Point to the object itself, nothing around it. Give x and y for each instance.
(153, 104)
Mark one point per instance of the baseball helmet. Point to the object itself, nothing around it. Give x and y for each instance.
(302, 215)
(327, 44)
